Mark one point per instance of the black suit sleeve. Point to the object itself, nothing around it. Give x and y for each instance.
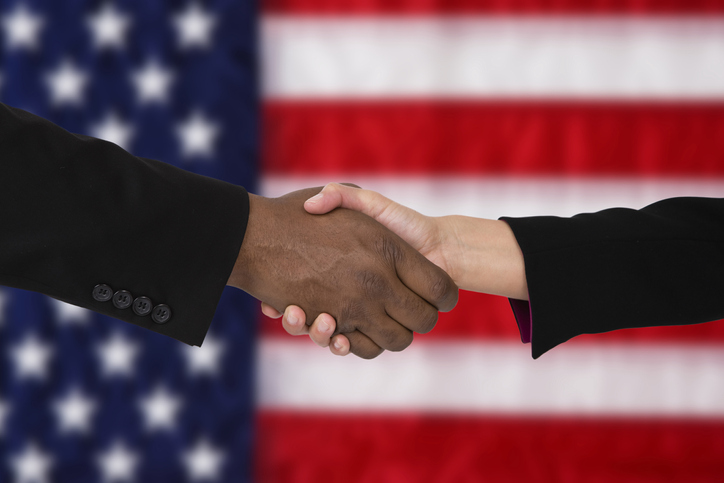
(76, 212)
(620, 268)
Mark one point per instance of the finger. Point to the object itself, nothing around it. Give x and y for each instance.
(362, 346)
(322, 329)
(294, 321)
(270, 311)
(335, 195)
(339, 345)
(385, 332)
(411, 310)
(425, 278)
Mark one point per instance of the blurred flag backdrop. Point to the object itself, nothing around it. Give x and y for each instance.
(484, 108)
(85, 398)
(491, 108)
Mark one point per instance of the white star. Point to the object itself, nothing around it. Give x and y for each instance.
(4, 299)
(194, 27)
(74, 412)
(153, 83)
(68, 314)
(203, 462)
(108, 27)
(32, 465)
(66, 84)
(31, 358)
(118, 463)
(4, 411)
(160, 409)
(22, 28)
(113, 129)
(205, 359)
(197, 135)
(117, 356)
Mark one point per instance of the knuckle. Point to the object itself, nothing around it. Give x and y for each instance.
(330, 187)
(388, 249)
(401, 341)
(362, 346)
(389, 334)
(441, 290)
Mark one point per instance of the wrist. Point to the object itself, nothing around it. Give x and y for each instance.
(242, 274)
(483, 256)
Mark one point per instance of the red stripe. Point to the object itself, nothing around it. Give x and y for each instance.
(376, 7)
(301, 448)
(487, 317)
(493, 138)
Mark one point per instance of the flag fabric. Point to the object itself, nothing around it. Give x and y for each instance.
(493, 108)
(471, 107)
(83, 397)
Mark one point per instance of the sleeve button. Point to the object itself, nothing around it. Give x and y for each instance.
(122, 299)
(102, 292)
(161, 314)
(142, 306)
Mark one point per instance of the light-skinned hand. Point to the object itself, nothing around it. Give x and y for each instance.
(480, 255)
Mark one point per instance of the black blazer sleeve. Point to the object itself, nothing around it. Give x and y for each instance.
(77, 212)
(620, 268)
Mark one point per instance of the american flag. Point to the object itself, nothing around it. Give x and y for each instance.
(490, 108)
(484, 108)
(86, 398)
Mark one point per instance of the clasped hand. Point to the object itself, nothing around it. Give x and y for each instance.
(375, 286)
(479, 254)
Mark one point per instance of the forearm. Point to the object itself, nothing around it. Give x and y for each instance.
(483, 256)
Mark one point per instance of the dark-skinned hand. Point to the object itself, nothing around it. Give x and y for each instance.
(378, 288)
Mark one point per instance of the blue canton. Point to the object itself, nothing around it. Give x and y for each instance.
(83, 397)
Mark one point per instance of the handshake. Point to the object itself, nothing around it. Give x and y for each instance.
(361, 273)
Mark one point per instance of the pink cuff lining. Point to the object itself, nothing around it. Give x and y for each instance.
(521, 310)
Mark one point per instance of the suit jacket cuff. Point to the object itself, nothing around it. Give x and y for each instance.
(78, 212)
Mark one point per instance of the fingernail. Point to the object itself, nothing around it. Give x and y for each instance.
(337, 345)
(324, 326)
(292, 320)
(315, 198)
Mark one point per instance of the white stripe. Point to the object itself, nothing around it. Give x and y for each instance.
(602, 57)
(493, 197)
(496, 378)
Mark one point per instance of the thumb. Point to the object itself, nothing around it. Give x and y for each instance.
(335, 195)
